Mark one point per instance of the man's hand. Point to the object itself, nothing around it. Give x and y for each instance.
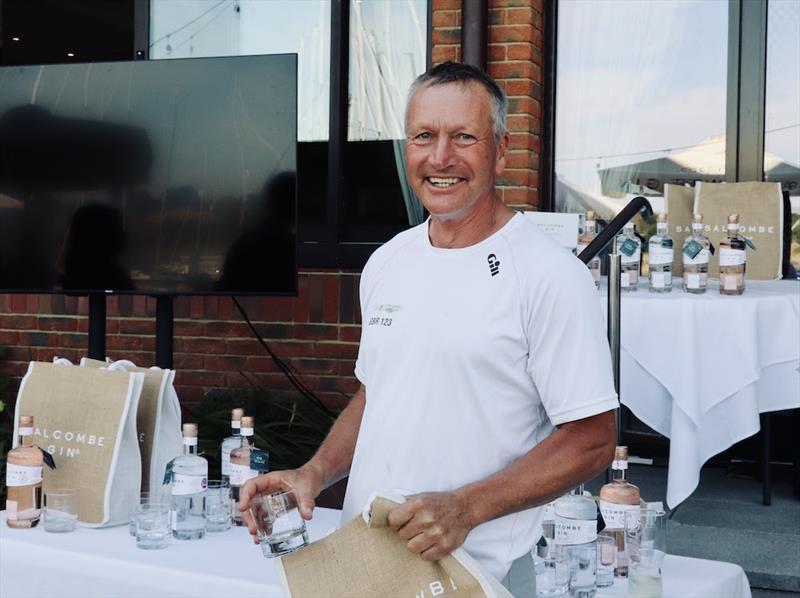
(306, 483)
(434, 523)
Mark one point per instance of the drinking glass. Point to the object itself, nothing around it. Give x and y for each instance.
(142, 498)
(646, 541)
(280, 527)
(218, 506)
(582, 559)
(552, 575)
(60, 511)
(606, 558)
(153, 525)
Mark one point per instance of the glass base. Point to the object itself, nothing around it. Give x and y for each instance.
(695, 291)
(661, 290)
(195, 534)
(274, 547)
(222, 526)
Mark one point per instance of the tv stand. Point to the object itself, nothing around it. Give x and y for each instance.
(164, 328)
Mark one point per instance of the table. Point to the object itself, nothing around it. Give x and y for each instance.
(699, 369)
(106, 563)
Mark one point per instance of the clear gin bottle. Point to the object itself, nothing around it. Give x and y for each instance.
(576, 540)
(661, 253)
(231, 442)
(630, 250)
(696, 253)
(189, 484)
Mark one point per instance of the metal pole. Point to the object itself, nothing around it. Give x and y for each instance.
(97, 326)
(164, 331)
(614, 297)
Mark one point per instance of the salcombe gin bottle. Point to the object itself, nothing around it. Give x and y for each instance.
(732, 259)
(696, 252)
(576, 540)
(24, 479)
(583, 240)
(661, 253)
(231, 442)
(630, 250)
(616, 498)
(240, 465)
(189, 484)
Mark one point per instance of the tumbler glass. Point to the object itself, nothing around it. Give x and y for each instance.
(280, 527)
(582, 559)
(142, 498)
(218, 506)
(606, 558)
(646, 541)
(552, 575)
(60, 510)
(153, 525)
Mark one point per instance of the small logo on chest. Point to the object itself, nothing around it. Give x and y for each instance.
(494, 264)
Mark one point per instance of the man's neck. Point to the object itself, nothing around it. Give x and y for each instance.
(482, 223)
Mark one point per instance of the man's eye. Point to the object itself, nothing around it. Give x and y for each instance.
(465, 139)
(423, 138)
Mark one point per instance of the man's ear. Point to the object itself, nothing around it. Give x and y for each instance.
(502, 151)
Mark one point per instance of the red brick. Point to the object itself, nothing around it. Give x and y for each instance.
(112, 325)
(497, 16)
(514, 178)
(520, 51)
(32, 304)
(211, 307)
(83, 325)
(124, 342)
(190, 394)
(510, 2)
(65, 324)
(286, 349)
(228, 329)
(519, 123)
(18, 322)
(38, 339)
(140, 305)
(314, 332)
(442, 54)
(517, 159)
(346, 367)
(19, 304)
(522, 141)
(225, 363)
(445, 18)
(517, 195)
(538, 21)
(511, 70)
(128, 326)
(350, 334)
(496, 53)
(260, 364)
(446, 36)
(9, 337)
(330, 308)
(112, 306)
(227, 310)
(186, 361)
(243, 347)
(196, 307)
(338, 350)
(18, 353)
(201, 378)
(510, 33)
(204, 345)
(520, 16)
(523, 105)
(190, 328)
(279, 309)
(446, 5)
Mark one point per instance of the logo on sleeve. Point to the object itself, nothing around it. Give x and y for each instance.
(494, 264)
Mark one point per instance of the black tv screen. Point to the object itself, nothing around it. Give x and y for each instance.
(152, 177)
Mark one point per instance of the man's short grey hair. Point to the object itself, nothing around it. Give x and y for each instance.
(459, 72)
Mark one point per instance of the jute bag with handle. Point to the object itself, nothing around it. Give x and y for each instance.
(365, 558)
(158, 418)
(761, 210)
(86, 418)
(680, 211)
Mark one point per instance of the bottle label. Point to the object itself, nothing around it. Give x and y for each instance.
(700, 258)
(226, 461)
(550, 511)
(25, 431)
(693, 280)
(629, 249)
(240, 474)
(184, 485)
(190, 440)
(619, 464)
(659, 279)
(575, 531)
(731, 257)
(236, 424)
(614, 514)
(660, 255)
(23, 475)
(246, 431)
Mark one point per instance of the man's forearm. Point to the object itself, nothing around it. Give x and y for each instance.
(574, 453)
(335, 455)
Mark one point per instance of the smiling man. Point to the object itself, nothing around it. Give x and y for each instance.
(486, 377)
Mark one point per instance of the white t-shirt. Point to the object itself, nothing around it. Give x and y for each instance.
(469, 357)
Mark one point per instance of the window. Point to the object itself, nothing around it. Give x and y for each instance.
(365, 200)
(640, 100)
(782, 108)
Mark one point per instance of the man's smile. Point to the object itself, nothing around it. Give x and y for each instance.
(443, 182)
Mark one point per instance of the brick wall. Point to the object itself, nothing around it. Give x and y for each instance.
(318, 330)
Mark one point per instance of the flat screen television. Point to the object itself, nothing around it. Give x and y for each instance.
(161, 177)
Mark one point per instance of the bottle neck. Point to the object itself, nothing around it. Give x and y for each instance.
(190, 448)
(733, 231)
(590, 226)
(235, 428)
(618, 474)
(628, 232)
(247, 441)
(697, 228)
(25, 440)
(661, 228)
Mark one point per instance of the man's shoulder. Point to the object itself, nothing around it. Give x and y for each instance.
(397, 245)
(536, 251)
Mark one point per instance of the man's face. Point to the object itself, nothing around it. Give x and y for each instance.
(451, 155)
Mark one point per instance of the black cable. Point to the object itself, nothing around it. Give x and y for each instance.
(185, 25)
(294, 377)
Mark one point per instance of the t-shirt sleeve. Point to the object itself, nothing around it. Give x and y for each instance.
(569, 359)
(363, 293)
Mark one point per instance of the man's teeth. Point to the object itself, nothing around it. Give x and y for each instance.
(440, 182)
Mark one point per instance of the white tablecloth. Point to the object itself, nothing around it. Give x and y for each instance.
(106, 563)
(700, 368)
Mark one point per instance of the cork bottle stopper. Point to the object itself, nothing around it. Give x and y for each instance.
(25, 421)
(698, 218)
(248, 421)
(190, 430)
(662, 217)
(590, 215)
(733, 219)
(621, 453)
(236, 414)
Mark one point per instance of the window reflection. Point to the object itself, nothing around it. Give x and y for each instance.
(628, 73)
(782, 109)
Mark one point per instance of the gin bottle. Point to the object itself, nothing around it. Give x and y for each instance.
(616, 498)
(583, 240)
(189, 484)
(24, 478)
(240, 465)
(576, 540)
(696, 252)
(661, 254)
(732, 260)
(231, 442)
(630, 250)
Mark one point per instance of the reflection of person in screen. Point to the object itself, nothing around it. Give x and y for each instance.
(262, 260)
(95, 245)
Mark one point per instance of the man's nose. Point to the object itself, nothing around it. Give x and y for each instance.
(442, 153)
